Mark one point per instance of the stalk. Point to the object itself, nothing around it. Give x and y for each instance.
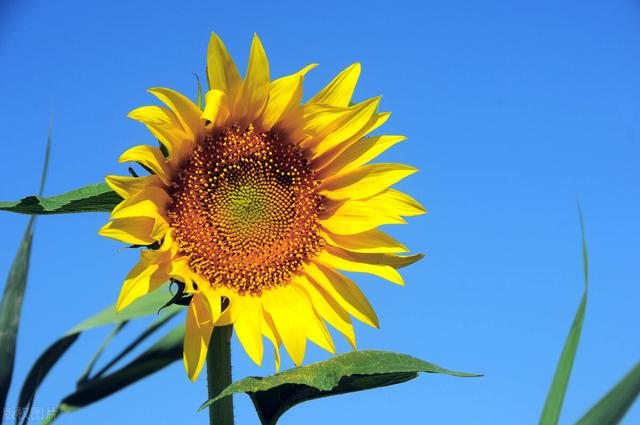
(219, 375)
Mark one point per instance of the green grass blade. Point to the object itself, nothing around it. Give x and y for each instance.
(150, 330)
(165, 351)
(94, 359)
(11, 304)
(555, 398)
(47, 154)
(612, 407)
(10, 309)
(145, 306)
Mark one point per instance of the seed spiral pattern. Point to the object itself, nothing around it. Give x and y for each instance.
(245, 210)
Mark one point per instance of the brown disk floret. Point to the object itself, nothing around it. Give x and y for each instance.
(245, 210)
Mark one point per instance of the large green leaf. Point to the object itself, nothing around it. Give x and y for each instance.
(92, 198)
(11, 304)
(555, 397)
(612, 408)
(143, 307)
(355, 371)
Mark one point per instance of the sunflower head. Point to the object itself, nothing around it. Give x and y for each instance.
(256, 202)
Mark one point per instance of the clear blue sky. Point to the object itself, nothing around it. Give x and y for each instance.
(513, 112)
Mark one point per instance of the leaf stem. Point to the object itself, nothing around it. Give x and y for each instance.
(219, 375)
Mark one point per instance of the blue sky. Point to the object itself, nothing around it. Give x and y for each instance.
(513, 111)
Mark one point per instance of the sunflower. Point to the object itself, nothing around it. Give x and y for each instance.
(255, 202)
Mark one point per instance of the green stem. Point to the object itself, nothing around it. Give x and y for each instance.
(219, 375)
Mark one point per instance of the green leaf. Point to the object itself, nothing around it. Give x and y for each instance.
(553, 405)
(145, 306)
(164, 352)
(93, 198)
(612, 408)
(272, 396)
(11, 304)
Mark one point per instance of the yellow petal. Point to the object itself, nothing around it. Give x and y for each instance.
(126, 186)
(248, 326)
(286, 305)
(160, 228)
(168, 248)
(150, 157)
(370, 241)
(328, 308)
(197, 337)
(181, 271)
(399, 202)
(340, 259)
(365, 181)
(339, 91)
(221, 70)
(343, 291)
(392, 260)
(348, 126)
(166, 127)
(284, 94)
(217, 299)
(327, 157)
(353, 217)
(149, 202)
(187, 112)
(216, 109)
(156, 115)
(255, 87)
(321, 120)
(134, 230)
(269, 330)
(359, 154)
(226, 317)
(317, 331)
(141, 280)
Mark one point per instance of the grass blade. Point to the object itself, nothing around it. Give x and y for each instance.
(11, 304)
(555, 398)
(157, 324)
(10, 309)
(165, 351)
(145, 306)
(612, 407)
(87, 371)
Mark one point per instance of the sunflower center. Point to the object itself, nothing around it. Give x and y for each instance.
(245, 210)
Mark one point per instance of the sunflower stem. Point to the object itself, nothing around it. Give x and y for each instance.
(219, 375)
